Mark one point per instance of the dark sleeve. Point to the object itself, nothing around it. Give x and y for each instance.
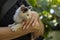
(2, 2)
(8, 18)
(20, 2)
(25, 3)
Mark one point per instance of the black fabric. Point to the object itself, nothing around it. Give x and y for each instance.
(7, 5)
(40, 38)
(25, 37)
(8, 18)
(2, 2)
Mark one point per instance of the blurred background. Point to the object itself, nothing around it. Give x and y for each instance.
(49, 12)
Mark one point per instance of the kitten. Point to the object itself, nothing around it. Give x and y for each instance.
(22, 13)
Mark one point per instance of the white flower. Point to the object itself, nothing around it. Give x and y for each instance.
(49, 16)
(41, 17)
(54, 21)
(59, 8)
(52, 11)
(46, 26)
(55, 24)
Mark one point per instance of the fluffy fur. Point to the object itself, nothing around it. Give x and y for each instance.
(22, 13)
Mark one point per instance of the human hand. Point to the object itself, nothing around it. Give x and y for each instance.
(31, 21)
(35, 23)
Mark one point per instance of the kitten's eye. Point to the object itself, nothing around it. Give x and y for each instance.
(30, 7)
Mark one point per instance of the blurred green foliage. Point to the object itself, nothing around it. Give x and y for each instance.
(49, 12)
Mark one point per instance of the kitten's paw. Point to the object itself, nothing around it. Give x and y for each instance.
(13, 28)
(9, 26)
(16, 27)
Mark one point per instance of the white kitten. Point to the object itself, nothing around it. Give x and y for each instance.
(22, 13)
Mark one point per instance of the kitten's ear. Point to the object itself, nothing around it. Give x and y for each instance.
(22, 7)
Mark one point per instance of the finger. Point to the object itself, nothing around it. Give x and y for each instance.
(23, 27)
(36, 19)
(26, 23)
(23, 24)
(31, 21)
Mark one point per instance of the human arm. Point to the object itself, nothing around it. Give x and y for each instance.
(6, 33)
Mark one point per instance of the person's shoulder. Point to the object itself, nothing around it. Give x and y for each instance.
(2, 2)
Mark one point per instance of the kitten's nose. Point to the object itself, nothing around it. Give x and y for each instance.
(27, 14)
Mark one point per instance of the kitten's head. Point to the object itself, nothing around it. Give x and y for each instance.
(25, 12)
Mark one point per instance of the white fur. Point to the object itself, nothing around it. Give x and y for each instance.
(19, 16)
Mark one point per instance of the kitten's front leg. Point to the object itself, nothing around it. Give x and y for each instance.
(10, 25)
(16, 27)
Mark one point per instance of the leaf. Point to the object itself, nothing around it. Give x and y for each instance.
(32, 2)
(54, 1)
(57, 11)
(58, 0)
